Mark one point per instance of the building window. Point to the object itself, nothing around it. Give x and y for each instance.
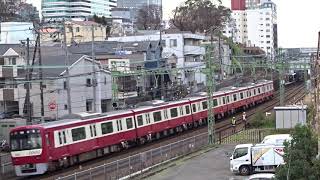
(267, 36)
(173, 43)
(268, 47)
(12, 61)
(88, 82)
(89, 103)
(140, 120)
(77, 29)
(267, 19)
(105, 80)
(268, 30)
(163, 43)
(268, 42)
(64, 84)
(65, 107)
(267, 24)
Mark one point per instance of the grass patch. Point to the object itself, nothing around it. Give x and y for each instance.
(262, 121)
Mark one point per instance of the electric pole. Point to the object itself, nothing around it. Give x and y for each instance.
(67, 68)
(210, 90)
(281, 79)
(94, 78)
(28, 104)
(40, 75)
(160, 60)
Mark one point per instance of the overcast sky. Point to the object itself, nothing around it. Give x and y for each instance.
(298, 23)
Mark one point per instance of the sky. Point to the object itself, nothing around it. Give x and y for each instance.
(298, 23)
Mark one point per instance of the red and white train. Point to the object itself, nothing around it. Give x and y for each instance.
(36, 149)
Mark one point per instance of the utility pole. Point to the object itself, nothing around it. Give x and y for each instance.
(281, 79)
(94, 78)
(40, 75)
(317, 93)
(28, 104)
(210, 90)
(220, 59)
(161, 64)
(67, 68)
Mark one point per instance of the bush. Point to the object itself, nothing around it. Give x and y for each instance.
(261, 121)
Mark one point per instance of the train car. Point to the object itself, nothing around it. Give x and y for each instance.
(37, 149)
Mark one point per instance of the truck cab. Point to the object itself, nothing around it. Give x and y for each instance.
(240, 161)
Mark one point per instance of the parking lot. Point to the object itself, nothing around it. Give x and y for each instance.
(211, 165)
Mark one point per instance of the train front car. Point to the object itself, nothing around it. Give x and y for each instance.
(28, 150)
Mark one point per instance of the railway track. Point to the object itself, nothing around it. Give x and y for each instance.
(293, 93)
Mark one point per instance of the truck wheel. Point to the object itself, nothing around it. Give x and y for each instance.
(244, 170)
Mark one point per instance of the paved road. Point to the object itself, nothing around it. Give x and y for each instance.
(213, 165)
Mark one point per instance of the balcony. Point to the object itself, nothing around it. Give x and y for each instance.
(194, 50)
(8, 71)
(8, 94)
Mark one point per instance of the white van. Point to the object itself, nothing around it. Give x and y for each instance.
(276, 139)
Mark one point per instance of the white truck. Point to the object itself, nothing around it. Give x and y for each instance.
(249, 158)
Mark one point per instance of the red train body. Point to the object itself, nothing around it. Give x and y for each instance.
(38, 148)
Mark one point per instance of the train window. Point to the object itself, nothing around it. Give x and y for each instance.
(60, 139)
(11, 125)
(64, 137)
(173, 112)
(181, 111)
(140, 120)
(148, 118)
(107, 128)
(157, 116)
(235, 97)
(228, 99)
(165, 113)
(119, 125)
(78, 134)
(215, 102)
(194, 108)
(129, 123)
(199, 105)
(254, 92)
(187, 109)
(259, 91)
(204, 105)
(224, 100)
(93, 131)
(241, 95)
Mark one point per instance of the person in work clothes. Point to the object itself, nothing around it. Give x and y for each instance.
(244, 119)
(233, 123)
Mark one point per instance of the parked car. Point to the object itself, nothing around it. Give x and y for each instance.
(262, 176)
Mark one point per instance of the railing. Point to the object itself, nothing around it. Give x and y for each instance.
(136, 164)
(144, 161)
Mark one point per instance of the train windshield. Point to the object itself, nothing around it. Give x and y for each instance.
(25, 140)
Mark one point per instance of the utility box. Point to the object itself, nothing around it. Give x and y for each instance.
(287, 117)
(7, 124)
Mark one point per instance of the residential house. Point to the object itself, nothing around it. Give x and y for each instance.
(55, 87)
(185, 47)
(11, 61)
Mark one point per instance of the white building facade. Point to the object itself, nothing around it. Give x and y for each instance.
(59, 9)
(255, 26)
(185, 47)
(81, 92)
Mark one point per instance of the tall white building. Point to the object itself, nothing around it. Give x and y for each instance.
(255, 25)
(76, 9)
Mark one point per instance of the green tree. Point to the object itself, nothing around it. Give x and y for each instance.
(300, 156)
(200, 16)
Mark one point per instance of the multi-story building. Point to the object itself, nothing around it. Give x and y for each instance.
(254, 24)
(137, 3)
(59, 9)
(187, 51)
(11, 62)
(55, 87)
(76, 32)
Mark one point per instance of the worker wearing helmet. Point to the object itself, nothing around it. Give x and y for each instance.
(233, 123)
(244, 119)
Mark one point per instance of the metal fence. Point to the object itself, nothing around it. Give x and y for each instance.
(6, 165)
(144, 161)
(136, 164)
